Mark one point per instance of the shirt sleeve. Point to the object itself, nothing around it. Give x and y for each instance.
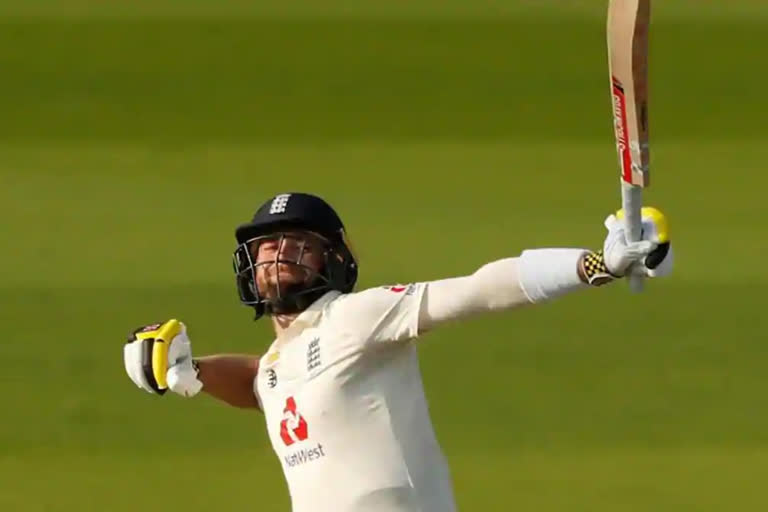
(493, 287)
(403, 312)
(386, 314)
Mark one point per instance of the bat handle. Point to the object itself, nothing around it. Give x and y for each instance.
(636, 283)
(632, 201)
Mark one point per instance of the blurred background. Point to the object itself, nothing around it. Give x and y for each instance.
(137, 134)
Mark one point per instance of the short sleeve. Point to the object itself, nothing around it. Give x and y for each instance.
(385, 314)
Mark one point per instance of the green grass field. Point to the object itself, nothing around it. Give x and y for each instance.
(135, 137)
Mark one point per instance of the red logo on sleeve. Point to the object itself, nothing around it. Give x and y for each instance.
(398, 289)
(293, 428)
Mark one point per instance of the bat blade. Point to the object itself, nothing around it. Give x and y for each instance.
(628, 47)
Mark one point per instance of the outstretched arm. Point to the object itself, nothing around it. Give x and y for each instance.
(503, 285)
(539, 275)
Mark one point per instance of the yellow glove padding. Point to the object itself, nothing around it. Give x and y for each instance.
(146, 354)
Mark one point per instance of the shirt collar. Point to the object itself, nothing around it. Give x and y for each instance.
(310, 316)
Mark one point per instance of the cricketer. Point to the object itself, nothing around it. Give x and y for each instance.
(340, 386)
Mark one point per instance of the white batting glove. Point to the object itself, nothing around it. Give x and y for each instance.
(158, 357)
(650, 257)
(182, 369)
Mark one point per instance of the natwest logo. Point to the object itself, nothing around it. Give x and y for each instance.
(293, 428)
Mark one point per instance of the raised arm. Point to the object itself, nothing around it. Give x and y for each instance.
(503, 285)
(539, 275)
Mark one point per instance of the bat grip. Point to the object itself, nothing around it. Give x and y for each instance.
(632, 202)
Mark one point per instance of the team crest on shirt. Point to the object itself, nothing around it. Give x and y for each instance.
(313, 355)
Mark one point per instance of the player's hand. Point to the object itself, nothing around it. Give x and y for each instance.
(650, 257)
(158, 357)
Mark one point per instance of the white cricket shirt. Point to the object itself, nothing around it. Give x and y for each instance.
(345, 408)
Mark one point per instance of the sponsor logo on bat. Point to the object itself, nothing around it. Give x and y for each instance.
(620, 128)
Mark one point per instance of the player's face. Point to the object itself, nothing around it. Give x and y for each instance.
(286, 259)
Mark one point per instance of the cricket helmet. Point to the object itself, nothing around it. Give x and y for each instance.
(282, 214)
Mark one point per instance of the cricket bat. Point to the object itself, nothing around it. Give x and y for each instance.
(627, 31)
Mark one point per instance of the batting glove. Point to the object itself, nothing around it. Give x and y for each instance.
(158, 357)
(650, 257)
